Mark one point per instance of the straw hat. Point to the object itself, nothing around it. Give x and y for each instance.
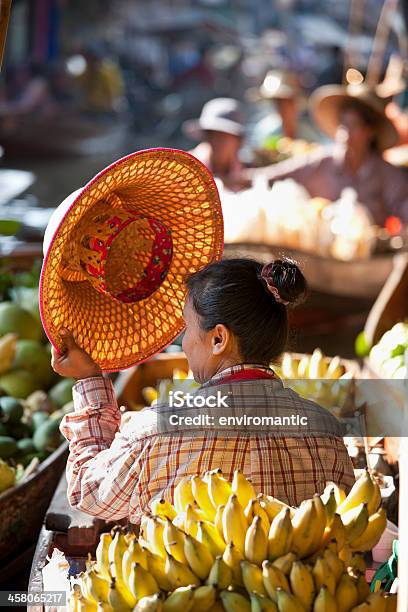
(326, 103)
(117, 251)
(218, 115)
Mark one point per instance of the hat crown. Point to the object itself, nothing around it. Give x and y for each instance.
(222, 108)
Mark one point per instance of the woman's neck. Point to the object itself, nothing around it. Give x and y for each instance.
(354, 159)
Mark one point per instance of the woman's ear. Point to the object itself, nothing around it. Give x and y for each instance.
(221, 336)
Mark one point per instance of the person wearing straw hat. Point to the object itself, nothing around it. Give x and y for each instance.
(354, 117)
(130, 260)
(285, 119)
(219, 130)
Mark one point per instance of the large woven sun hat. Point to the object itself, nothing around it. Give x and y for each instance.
(326, 103)
(117, 252)
(218, 115)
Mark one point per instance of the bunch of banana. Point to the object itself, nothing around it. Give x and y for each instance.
(222, 546)
(317, 377)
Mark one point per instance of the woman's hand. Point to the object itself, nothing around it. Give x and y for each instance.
(74, 362)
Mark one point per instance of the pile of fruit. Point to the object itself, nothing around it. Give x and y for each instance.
(33, 398)
(221, 546)
(388, 356)
(322, 379)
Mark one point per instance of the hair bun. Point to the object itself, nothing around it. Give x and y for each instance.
(285, 281)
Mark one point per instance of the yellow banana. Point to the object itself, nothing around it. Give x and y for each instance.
(377, 601)
(304, 525)
(256, 507)
(357, 563)
(162, 507)
(180, 574)
(355, 521)
(317, 365)
(375, 500)
(102, 559)
(339, 492)
(190, 522)
(392, 602)
(303, 367)
(219, 489)
(234, 602)
(335, 564)
(243, 488)
(329, 500)
(218, 520)
(321, 522)
(361, 493)
(346, 594)
(154, 536)
(141, 582)
(345, 555)
(256, 543)
(372, 534)
(363, 588)
(271, 505)
(183, 494)
(180, 519)
(97, 587)
(220, 575)
(117, 549)
(335, 368)
(336, 532)
(302, 585)
(204, 598)
(260, 603)
(198, 556)
(234, 523)
(252, 578)
(285, 562)
(325, 601)
(273, 579)
(287, 602)
(217, 607)
(180, 599)
(233, 558)
(85, 605)
(117, 601)
(104, 607)
(151, 603)
(134, 554)
(323, 576)
(173, 539)
(280, 535)
(200, 492)
(208, 535)
(156, 565)
(363, 607)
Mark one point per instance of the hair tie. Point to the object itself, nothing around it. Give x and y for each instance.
(276, 294)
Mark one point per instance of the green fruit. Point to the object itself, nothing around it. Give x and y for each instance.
(11, 410)
(8, 447)
(25, 446)
(38, 418)
(14, 319)
(47, 436)
(7, 476)
(19, 430)
(18, 383)
(32, 356)
(61, 393)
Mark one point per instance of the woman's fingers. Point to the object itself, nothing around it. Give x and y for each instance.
(68, 339)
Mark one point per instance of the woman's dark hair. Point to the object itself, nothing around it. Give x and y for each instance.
(250, 300)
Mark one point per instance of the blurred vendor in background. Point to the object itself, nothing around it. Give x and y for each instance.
(354, 116)
(220, 130)
(284, 117)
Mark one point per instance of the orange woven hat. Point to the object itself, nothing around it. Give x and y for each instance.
(117, 251)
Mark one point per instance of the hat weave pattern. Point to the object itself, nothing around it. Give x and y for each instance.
(169, 189)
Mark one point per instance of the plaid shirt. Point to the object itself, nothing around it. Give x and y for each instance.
(119, 462)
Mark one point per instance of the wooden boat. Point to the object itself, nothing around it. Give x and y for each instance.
(358, 278)
(51, 136)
